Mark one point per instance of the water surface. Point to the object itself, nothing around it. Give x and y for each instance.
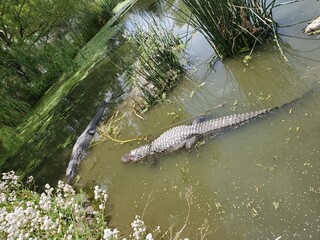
(260, 181)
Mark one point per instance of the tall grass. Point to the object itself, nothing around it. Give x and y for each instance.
(157, 51)
(90, 21)
(232, 26)
(29, 67)
(107, 7)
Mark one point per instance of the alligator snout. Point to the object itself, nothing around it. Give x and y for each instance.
(126, 158)
(137, 154)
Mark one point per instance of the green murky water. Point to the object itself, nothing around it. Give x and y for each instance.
(260, 181)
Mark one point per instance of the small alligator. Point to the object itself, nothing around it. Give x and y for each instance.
(85, 138)
(187, 135)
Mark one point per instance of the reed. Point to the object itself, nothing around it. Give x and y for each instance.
(157, 51)
(232, 26)
(107, 7)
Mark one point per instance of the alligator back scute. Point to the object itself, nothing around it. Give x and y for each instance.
(172, 137)
(220, 124)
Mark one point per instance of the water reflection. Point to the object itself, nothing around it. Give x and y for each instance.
(46, 154)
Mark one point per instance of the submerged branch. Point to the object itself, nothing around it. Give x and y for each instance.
(286, 3)
(186, 221)
(137, 114)
(278, 44)
(147, 204)
(145, 138)
(111, 129)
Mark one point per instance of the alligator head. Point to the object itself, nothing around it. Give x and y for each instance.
(137, 154)
(71, 170)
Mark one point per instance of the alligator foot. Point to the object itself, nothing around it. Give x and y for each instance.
(190, 143)
(153, 161)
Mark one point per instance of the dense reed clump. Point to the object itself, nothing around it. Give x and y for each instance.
(157, 51)
(232, 26)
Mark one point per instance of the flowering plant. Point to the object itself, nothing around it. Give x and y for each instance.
(57, 213)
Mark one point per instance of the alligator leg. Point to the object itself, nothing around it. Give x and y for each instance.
(178, 146)
(190, 143)
(153, 161)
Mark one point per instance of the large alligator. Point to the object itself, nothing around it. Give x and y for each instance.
(85, 138)
(187, 135)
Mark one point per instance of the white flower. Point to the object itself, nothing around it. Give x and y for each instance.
(109, 234)
(96, 192)
(30, 180)
(60, 184)
(149, 236)
(138, 227)
(101, 206)
(68, 190)
(100, 194)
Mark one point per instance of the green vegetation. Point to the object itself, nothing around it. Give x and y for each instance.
(38, 42)
(232, 26)
(57, 213)
(12, 137)
(157, 67)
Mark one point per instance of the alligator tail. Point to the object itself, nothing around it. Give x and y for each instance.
(228, 121)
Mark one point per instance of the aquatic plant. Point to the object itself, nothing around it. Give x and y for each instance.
(110, 131)
(157, 51)
(232, 26)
